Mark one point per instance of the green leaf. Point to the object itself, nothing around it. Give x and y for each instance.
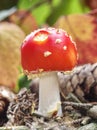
(55, 2)
(23, 81)
(26, 4)
(41, 13)
(64, 8)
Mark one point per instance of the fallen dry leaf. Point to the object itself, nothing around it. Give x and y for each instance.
(25, 20)
(92, 4)
(83, 29)
(11, 37)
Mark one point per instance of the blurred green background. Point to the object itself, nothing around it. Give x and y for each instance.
(48, 11)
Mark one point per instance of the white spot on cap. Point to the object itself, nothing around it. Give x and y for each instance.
(65, 48)
(58, 41)
(40, 70)
(41, 37)
(51, 28)
(47, 53)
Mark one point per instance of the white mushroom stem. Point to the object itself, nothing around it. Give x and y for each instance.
(49, 95)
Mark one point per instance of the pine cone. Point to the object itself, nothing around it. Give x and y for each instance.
(6, 95)
(20, 109)
(82, 81)
(3, 104)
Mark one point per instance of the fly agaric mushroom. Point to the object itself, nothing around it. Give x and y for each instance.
(45, 52)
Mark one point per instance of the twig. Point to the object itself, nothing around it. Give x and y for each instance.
(90, 109)
(68, 123)
(79, 105)
(72, 97)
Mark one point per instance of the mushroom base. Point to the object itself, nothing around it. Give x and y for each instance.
(49, 95)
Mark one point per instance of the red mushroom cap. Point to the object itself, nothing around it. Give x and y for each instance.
(48, 49)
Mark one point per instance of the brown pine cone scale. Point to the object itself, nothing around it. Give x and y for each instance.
(82, 81)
